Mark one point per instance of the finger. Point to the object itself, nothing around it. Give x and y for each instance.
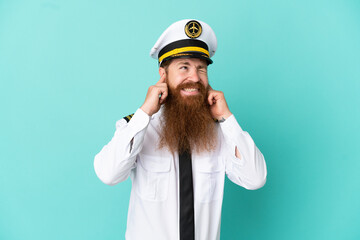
(162, 79)
(162, 88)
(163, 97)
(211, 98)
(161, 85)
(215, 96)
(162, 92)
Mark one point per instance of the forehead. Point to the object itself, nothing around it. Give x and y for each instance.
(189, 61)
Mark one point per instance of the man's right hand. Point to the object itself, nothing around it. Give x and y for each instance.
(155, 96)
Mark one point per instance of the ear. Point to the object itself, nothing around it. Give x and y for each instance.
(161, 71)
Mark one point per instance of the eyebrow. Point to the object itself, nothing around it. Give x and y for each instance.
(188, 64)
(183, 62)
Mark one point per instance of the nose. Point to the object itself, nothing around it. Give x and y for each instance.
(194, 75)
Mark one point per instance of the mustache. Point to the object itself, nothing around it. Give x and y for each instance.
(198, 85)
(191, 85)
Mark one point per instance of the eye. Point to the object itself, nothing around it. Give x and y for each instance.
(184, 67)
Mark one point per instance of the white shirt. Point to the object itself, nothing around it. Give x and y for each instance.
(154, 201)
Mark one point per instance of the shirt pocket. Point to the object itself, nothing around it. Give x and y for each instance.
(209, 180)
(152, 177)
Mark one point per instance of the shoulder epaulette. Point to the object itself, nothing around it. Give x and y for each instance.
(128, 117)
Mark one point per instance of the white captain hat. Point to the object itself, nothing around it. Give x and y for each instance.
(187, 38)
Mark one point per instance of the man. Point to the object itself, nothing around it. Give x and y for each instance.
(179, 144)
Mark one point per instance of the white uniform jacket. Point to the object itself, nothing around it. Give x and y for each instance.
(154, 202)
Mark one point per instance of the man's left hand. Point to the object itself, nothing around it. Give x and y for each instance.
(218, 106)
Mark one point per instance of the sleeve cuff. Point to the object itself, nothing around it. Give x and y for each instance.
(230, 127)
(139, 121)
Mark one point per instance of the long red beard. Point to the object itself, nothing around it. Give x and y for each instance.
(187, 124)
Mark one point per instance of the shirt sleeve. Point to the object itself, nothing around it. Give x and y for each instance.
(249, 169)
(115, 161)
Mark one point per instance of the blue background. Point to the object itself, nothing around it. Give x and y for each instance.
(290, 71)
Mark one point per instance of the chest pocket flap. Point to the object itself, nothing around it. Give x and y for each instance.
(151, 181)
(208, 165)
(209, 179)
(154, 163)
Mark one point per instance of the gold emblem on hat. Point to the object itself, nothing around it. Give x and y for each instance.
(193, 29)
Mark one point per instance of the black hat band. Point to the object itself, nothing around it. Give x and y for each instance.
(184, 47)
